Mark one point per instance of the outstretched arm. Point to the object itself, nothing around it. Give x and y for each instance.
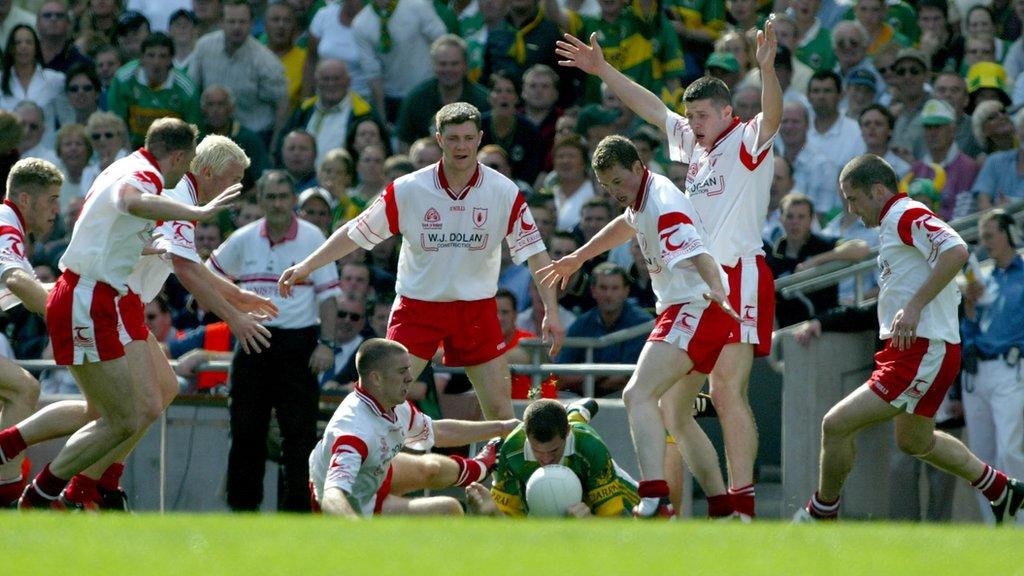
(552, 324)
(771, 90)
(616, 233)
(155, 207)
(590, 59)
(337, 246)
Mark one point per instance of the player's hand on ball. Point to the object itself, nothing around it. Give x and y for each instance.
(290, 278)
(578, 510)
(223, 201)
(719, 297)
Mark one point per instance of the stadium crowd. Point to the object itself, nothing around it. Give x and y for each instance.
(333, 101)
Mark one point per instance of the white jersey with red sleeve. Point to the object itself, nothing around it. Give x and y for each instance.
(911, 238)
(12, 250)
(358, 445)
(729, 184)
(669, 232)
(451, 239)
(177, 238)
(107, 241)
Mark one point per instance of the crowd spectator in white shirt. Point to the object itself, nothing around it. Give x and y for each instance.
(24, 78)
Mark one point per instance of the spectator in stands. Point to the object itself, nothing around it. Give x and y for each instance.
(911, 72)
(850, 43)
(248, 211)
(540, 106)
(158, 319)
(993, 332)
(183, 32)
(53, 23)
(368, 132)
(252, 72)
(424, 152)
(514, 353)
(861, 92)
(11, 16)
(217, 106)
(595, 214)
(209, 14)
(1000, 180)
(743, 15)
(939, 41)
(107, 61)
(315, 207)
(355, 279)
(31, 118)
(449, 84)
(332, 115)
(200, 345)
(979, 49)
(150, 88)
(647, 140)
(526, 37)
(575, 297)
(495, 157)
(298, 156)
(24, 78)
(347, 338)
(82, 88)
(782, 184)
(737, 44)
(394, 38)
(640, 291)
(876, 123)
(609, 286)
(336, 174)
(131, 31)
(74, 150)
(370, 169)
(951, 88)
(746, 102)
(871, 15)
(832, 132)
(10, 136)
(531, 319)
(574, 187)
(939, 121)
(805, 160)
(208, 238)
(277, 378)
(544, 216)
(282, 31)
(503, 126)
(330, 36)
(798, 244)
(96, 26)
(986, 81)
(992, 128)
(815, 44)
(723, 66)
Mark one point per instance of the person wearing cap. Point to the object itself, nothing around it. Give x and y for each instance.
(233, 57)
(725, 67)
(986, 81)
(183, 30)
(951, 88)
(814, 46)
(910, 70)
(53, 23)
(132, 28)
(150, 88)
(159, 13)
(939, 122)
(832, 133)
(861, 92)
(315, 207)
(1000, 180)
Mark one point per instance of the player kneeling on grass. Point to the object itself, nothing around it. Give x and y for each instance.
(919, 256)
(551, 435)
(351, 468)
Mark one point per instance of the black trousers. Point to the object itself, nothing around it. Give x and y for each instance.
(277, 378)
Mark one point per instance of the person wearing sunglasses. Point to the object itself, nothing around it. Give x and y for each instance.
(910, 71)
(53, 23)
(82, 89)
(109, 136)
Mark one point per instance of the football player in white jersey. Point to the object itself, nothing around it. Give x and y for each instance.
(695, 319)
(351, 467)
(31, 206)
(453, 216)
(96, 323)
(728, 180)
(919, 256)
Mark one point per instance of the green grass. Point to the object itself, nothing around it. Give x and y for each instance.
(187, 545)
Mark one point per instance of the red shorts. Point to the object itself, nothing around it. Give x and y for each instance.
(88, 321)
(752, 296)
(469, 330)
(916, 380)
(700, 327)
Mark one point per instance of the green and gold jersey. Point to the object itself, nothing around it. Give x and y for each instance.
(646, 53)
(607, 489)
(133, 99)
(705, 15)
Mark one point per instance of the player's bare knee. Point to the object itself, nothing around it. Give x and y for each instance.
(431, 468)
(914, 444)
(832, 425)
(633, 395)
(450, 507)
(24, 391)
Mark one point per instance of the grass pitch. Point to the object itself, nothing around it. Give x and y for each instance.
(186, 545)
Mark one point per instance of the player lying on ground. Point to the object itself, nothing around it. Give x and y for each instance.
(351, 468)
(919, 256)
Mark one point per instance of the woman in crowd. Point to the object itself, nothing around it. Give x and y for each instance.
(74, 151)
(24, 78)
(109, 135)
(82, 89)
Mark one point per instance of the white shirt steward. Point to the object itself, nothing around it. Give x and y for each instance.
(911, 239)
(12, 250)
(450, 258)
(279, 377)
(358, 445)
(729, 185)
(91, 313)
(670, 233)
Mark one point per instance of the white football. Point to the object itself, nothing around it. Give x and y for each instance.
(551, 490)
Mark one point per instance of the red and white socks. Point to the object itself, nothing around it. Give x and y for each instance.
(742, 500)
(992, 483)
(821, 509)
(44, 490)
(11, 444)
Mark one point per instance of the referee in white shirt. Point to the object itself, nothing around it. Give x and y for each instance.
(282, 377)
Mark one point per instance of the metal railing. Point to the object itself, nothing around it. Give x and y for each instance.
(799, 284)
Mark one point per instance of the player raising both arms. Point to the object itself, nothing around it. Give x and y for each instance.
(452, 216)
(694, 321)
(728, 182)
(919, 256)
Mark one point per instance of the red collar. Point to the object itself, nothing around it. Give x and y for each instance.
(17, 212)
(368, 398)
(888, 204)
(194, 189)
(473, 181)
(293, 231)
(726, 132)
(149, 156)
(641, 194)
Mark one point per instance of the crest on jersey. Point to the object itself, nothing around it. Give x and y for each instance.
(479, 216)
(432, 216)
